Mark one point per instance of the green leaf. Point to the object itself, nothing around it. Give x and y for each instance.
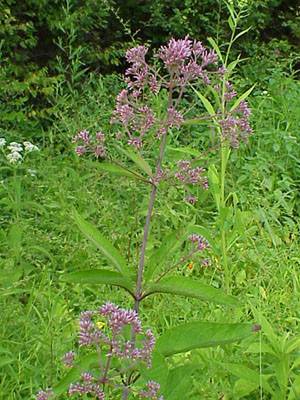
(231, 24)
(6, 360)
(231, 66)
(267, 330)
(241, 34)
(188, 287)
(206, 103)
(179, 382)
(158, 371)
(106, 248)
(99, 277)
(15, 239)
(216, 48)
(292, 345)
(195, 335)
(243, 387)
(137, 159)
(242, 97)
(83, 365)
(248, 375)
(214, 184)
(169, 246)
(185, 150)
(119, 170)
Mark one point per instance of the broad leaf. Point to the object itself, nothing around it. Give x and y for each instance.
(195, 335)
(188, 287)
(179, 382)
(137, 159)
(100, 277)
(158, 371)
(106, 248)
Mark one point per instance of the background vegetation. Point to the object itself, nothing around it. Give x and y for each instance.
(60, 65)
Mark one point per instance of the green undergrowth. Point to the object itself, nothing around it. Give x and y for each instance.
(39, 242)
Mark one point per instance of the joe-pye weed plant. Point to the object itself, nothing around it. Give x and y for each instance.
(117, 356)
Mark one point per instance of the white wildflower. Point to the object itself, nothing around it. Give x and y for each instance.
(29, 147)
(14, 157)
(15, 147)
(2, 142)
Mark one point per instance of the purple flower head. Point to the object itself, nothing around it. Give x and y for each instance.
(100, 137)
(152, 391)
(90, 144)
(118, 318)
(87, 377)
(174, 118)
(205, 262)
(136, 55)
(175, 53)
(68, 359)
(192, 176)
(160, 175)
(209, 57)
(87, 385)
(200, 242)
(191, 199)
(82, 136)
(44, 394)
(80, 150)
(99, 151)
(89, 334)
(230, 92)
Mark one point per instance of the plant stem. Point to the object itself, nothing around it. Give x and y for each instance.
(225, 151)
(139, 283)
(147, 228)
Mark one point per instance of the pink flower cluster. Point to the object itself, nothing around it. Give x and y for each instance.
(185, 60)
(45, 394)
(152, 391)
(111, 337)
(87, 144)
(191, 176)
(199, 241)
(87, 385)
(236, 126)
(117, 319)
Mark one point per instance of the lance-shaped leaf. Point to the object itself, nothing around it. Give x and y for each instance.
(117, 169)
(106, 248)
(216, 48)
(139, 161)
(169, 246)
(100, 277)
(195, 335)
(241, 98)
(209, 108)
(188, 287)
